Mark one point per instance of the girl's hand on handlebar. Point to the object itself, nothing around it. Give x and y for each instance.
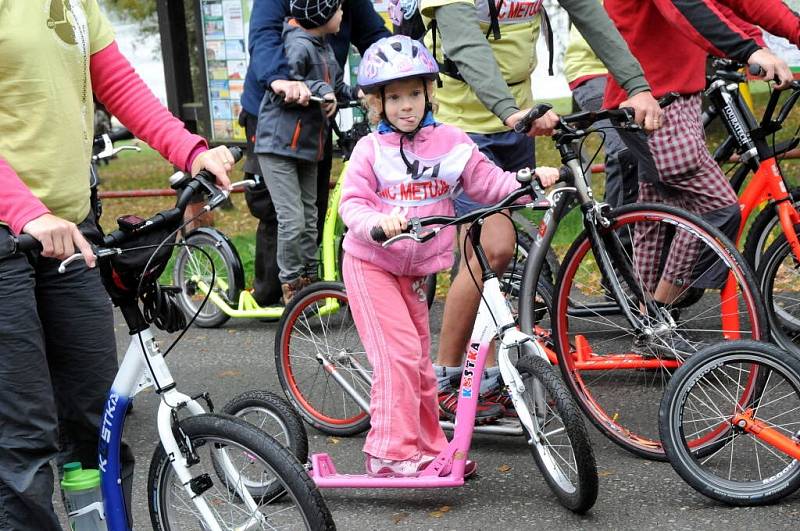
(329, 105)
(218, 161)
(393, 223)
(648, 114)
(59, 238)
(547, 176)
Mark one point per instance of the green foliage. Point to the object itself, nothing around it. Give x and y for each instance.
(134, 10)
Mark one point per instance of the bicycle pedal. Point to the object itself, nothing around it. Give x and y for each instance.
(200, 484)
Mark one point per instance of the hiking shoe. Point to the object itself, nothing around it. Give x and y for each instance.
(291, 288)
(406, 468)
(485, 412)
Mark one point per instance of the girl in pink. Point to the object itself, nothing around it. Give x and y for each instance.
(410, 167)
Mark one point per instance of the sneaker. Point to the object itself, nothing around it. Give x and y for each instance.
(470, 467)
(485, 412)
(500, 396)
(385, 468)
(676, 346)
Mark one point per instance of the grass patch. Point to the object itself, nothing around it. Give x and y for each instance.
(145, 170)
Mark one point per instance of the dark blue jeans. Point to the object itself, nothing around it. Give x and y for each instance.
(509, 150)
(57, 362)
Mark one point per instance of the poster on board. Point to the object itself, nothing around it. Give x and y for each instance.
(224, 29)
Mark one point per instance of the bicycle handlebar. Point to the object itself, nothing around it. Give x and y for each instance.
(204, 182)
(528, 186)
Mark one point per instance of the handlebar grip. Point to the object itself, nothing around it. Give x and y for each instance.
(756, 70)
(237, 153)
(668, 99)
(18, 244)
(377, 234)
(536, 112)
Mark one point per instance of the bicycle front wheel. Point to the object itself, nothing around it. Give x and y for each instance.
(779, 277)
(618, 373)
(208, 254)
(706, 395)
(243, 453)
(316, 343)
(560, 445)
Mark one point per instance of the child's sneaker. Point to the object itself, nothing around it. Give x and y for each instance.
(291, 288)
(384, 468)
(484, 412)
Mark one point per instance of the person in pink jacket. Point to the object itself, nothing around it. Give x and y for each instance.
(57, 349)
(410, 167)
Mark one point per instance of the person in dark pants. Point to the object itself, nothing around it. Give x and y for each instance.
(268, 70)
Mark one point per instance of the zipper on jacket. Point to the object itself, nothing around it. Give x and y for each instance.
(296, 135)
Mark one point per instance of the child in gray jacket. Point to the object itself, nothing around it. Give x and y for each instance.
(290, 138)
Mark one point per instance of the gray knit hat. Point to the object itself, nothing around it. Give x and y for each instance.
(313, 13)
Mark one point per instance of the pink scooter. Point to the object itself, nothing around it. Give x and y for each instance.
(548, 416)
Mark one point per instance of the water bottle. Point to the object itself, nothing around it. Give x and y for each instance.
(83, 498)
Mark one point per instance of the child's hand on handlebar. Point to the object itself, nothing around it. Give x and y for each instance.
(329, 105)
(218, 161)
(291, 91)
(59, 238)
(393, 223)
(547, 176)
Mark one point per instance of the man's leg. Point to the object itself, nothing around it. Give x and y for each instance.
(511, 152)
(266, 286)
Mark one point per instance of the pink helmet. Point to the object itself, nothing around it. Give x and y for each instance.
(394, 58)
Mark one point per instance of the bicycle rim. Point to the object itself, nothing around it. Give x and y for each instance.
(740, 468)
(560, 444)
(618, 377)
(780, 285)
(317, 335)
(193, 268)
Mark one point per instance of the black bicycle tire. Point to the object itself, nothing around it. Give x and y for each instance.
(290, 419)
(300, 486)
(209, 237)
(292, 312)
(585, 494)
(610, 428)
(762, 225)
(682, 460)
(773, 258)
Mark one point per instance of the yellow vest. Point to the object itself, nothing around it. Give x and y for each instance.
(46, 106)
(515, 54)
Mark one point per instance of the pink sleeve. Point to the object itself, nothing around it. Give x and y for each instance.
(18, 205)
(117, 85)
(483, 179)
(360, 204)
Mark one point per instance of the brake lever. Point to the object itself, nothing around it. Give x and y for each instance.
(246, 183)
(402, 236)
(99, 253)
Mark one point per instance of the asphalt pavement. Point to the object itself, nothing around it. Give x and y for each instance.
(507, 493)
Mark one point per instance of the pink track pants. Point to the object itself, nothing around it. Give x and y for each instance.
(391, 317)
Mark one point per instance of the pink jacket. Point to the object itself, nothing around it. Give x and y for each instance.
(444, 160)
(117, 85)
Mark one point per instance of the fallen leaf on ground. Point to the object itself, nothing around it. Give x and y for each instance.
(334, 440)
(504, 468)
(399, 517)
(228, 374)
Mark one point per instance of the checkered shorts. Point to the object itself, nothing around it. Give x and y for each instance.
(690, 179)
